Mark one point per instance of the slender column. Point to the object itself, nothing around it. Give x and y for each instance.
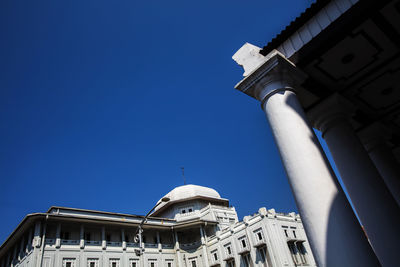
(375, 205)
(178, 251)
(82, 237)
(374, 140)
(14, 257)
(37, 238)
(158, 241)
(103, 238)
(58, 235)
(21, 248)
(328, 219)
(204, 247)
(123, 239)
(29, 243)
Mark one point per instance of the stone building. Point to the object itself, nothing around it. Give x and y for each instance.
(335, 68)
(195, 227)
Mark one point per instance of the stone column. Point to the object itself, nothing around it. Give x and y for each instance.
(159, 246)
(103, 238)
(374, 140)
(373, 202)
(37, 238)
(82, 237)
(123, 239)
(21, 248)
(29, 243)
(332, 228)
(178, 251)
(58, 235)
(204, 247)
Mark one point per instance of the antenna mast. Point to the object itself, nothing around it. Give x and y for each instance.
(183, 175)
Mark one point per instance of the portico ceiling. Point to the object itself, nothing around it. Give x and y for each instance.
(357, 55)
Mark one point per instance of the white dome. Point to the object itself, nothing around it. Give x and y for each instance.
(188, 192)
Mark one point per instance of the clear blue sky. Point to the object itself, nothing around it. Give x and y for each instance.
(102, 102)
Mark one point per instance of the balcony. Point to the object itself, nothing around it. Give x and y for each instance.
(259, 242)
(132, 244)
(150, 245)
(228, 256)
(190, 245)
(50, 241)
(244, 250)
(92, 242)
(114, 244)
(69, 242)
(167, 246)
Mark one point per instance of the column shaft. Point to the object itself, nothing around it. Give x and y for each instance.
(377, 209)
(388, 168)
(328, 219)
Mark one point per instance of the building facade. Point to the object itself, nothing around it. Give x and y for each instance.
(195, 227)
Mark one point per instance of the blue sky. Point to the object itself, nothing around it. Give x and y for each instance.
(102, 102)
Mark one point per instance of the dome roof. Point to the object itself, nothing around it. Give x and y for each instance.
(190, 191)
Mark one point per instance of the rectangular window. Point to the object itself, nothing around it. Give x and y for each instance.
(152, 263)
(286, 234)
(69, 262)
(247, 260)
(231, 263)
(303, 253)
(169, 263)
(243, 242)
(293, 252)
(259, 235)
(114, 263)
(93, 262)
(294, 234)
(194, 263)
(133, 263)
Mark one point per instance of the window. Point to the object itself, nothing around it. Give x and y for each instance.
(186, 210)
(114, 263)
(214, 255)
(193, 263)
(243, 242)
(247, 260)
(302, 250)
(68, 262)
(231, 263)
(294, 234)
(286, 234)
(93, 262)
(293, 252)
(228, 250)
(153, 263)
(259, 235)
(169, 263)
(133, 263)
(265, 260)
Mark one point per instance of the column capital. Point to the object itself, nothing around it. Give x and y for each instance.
(373, 135)
(329, 111)
(266, 75)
